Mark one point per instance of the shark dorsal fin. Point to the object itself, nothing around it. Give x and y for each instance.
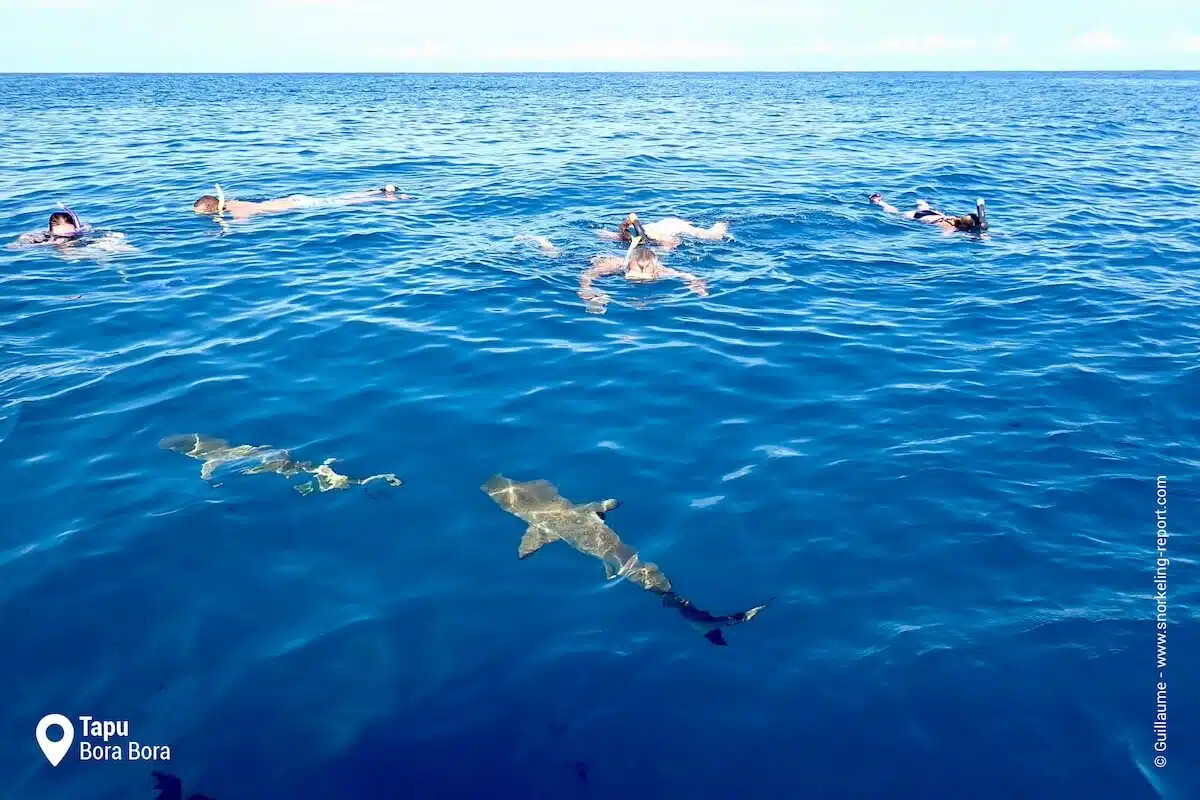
(601, 507)
(535, 536)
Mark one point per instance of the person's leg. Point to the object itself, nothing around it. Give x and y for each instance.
(674, 227)
(714, 233)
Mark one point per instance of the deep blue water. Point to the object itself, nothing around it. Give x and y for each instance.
(940, 452)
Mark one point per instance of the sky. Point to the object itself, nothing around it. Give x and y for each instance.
(549, 36)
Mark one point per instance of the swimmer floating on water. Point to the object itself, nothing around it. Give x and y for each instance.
(640, 264)
(66, 230)
(666, 233)
(219, 204)
(923, 213)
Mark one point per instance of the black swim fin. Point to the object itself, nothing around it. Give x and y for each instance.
(716, 637)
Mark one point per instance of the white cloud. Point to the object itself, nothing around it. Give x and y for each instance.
(616, 50)
(375, 6)
(758, 12)
(41, 5)
(820, 47)
(413, 52)
(1184, 43)
(925, 45)
(1097, 42)
(912, 46)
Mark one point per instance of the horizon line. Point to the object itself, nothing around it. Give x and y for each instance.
(614, 71)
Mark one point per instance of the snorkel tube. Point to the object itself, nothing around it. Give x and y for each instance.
(220, 199)
(981, 212)
(633, 243)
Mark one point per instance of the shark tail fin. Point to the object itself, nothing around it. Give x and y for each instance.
(715, 635)
(533, 540)
(746, 616)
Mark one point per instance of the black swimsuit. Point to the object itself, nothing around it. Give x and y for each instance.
(925, 212)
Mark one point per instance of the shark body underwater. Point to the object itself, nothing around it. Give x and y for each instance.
(551, 518)
(260, 459)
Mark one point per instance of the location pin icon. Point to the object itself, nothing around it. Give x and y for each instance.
(55, 750)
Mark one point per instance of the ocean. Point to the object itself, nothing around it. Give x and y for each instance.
(957, 462)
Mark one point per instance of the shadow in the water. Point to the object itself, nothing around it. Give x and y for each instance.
(169, 787)
(378, 709)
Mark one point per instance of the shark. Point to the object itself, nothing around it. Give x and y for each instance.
(261, 459)
(552, 518)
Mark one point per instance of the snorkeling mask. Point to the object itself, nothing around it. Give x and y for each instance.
(80, 229)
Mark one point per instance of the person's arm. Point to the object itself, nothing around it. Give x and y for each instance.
(601, 266)
(113, 242)
(697, 285)
(878, 200)
(27, 239)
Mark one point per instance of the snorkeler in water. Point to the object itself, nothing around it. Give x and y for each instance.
(218, 205)
(640, 264)
(975, 222)
(66, 230)
(666, 233)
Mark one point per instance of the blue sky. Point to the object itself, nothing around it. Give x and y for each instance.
(543, 35)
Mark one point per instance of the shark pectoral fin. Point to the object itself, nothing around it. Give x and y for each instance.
(495, 484)
(533, 539)
(716, 637)
(510, 494)
(186, 443)
(602, 507)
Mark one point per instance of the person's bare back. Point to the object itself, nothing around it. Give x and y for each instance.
(667, 233)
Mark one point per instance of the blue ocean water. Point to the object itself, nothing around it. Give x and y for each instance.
(941, 452)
